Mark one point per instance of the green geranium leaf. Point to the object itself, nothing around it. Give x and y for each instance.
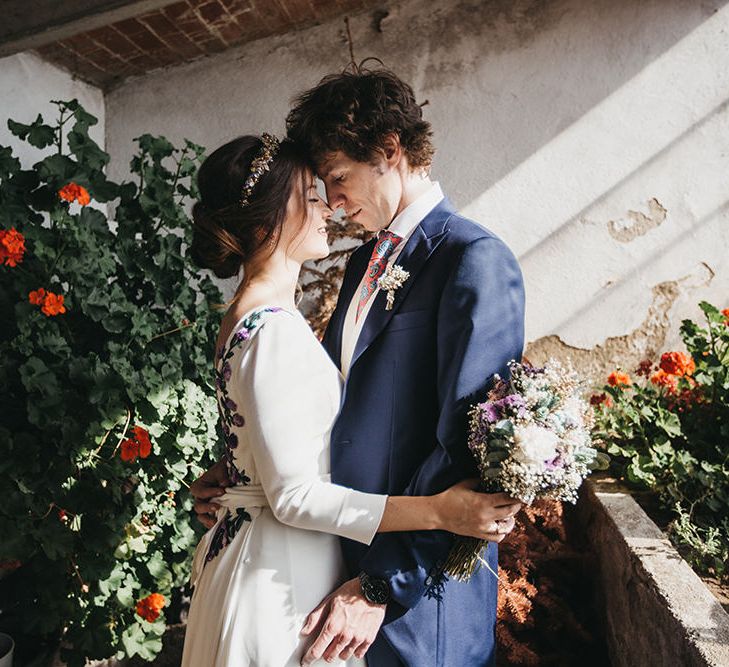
(37, 133)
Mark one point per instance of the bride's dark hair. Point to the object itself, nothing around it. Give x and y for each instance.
(226, 234)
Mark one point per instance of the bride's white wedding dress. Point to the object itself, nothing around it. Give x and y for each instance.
(273, 553)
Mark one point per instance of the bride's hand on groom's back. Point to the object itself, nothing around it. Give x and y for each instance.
(486, 516)
(206, 488)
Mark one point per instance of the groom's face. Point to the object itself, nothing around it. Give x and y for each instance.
(369, 192)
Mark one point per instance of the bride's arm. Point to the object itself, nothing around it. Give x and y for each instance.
(279, 393)
(459, 510)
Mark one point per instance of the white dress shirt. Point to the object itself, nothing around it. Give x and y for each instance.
(403, 225)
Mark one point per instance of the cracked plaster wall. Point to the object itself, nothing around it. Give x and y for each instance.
(593, 137)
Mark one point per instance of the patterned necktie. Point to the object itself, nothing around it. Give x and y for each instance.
(386, 243)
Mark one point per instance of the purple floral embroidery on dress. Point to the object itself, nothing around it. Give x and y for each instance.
(229, 526)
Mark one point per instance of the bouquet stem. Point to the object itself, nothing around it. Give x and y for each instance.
(465, 558)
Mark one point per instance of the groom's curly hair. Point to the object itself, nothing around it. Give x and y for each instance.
(355, 111)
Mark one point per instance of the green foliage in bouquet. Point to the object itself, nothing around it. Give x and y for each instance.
(106, 345)
(669, 433)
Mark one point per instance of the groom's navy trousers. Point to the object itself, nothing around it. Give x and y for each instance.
(417, 368)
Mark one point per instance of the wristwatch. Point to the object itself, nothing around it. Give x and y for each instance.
(376, 591)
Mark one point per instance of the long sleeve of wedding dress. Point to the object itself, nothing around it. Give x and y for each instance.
(283, 392)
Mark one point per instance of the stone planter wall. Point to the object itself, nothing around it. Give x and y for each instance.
(655, 609)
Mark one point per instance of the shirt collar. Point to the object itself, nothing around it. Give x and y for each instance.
(411, 216)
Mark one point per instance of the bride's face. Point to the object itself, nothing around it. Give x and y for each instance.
(307, 240)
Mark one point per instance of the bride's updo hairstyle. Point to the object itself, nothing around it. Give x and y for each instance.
(226, 234)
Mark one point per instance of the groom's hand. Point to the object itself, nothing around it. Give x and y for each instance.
(346, 622)
(210, 485)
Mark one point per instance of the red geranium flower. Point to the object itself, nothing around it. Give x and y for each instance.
(74, 192)
(138, 445)
(141, 435)
(36, 297)
(12, 247)
(677, 363)
(129, 450)
(644, 368)
(601, 399)
(149, 608)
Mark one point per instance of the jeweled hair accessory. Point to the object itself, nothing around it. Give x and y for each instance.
(260, 165)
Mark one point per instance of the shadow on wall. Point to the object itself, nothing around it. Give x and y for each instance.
(640, 129)
(506, 79)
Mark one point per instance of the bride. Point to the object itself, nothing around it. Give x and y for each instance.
(272, 554)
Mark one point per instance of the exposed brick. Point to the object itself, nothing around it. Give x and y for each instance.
(172, 36)
(248, 20)
(299, 11)
(82, 44)
(212, 11)
(185, 30)
(138, 33)
(114, 41)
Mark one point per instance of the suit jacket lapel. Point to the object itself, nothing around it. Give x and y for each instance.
(424, 240)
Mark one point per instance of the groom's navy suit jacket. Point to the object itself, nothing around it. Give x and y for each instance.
(456, 321)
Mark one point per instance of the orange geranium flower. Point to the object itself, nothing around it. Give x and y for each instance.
(37, 297)
(74, 192)
(666, 380)
(53, 305)
(725, 313)
(677, 363)
(12, 247)
(616, 378)
(149, 608)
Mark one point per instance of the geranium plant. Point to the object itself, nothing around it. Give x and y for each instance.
(106, 345)
(667, 429)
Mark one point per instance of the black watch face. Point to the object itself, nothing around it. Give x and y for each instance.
(375, 590)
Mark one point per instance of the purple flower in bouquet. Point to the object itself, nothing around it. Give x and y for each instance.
(494, 410)
(513, 403)
(491, 411)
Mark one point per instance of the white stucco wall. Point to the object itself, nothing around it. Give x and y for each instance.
(27, 86)
(592, 136)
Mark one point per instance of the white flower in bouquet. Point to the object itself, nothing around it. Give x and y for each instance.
(534, 445)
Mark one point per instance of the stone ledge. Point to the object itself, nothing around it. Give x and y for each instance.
(655, 608)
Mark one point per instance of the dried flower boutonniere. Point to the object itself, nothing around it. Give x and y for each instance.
(391, 280)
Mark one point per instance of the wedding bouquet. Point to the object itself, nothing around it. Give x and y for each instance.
(531, 440)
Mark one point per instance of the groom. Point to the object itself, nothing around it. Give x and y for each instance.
(412, 367)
